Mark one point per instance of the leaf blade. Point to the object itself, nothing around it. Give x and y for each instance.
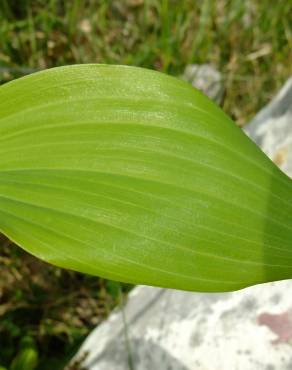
(135, 176)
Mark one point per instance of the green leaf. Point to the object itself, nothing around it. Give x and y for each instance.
(135, 176)
(26, 359)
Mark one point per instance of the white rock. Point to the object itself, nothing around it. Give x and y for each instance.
(205, 78)
(271, 128)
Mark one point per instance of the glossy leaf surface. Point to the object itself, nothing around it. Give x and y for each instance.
(135, 176)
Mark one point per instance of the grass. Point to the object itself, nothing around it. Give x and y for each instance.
(249, 42)
(55, 307)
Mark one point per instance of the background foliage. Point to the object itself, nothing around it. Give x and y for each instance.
(250, 42)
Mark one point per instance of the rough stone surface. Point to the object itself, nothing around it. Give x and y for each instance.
(205, 78)
(271, 129)
(175, 330)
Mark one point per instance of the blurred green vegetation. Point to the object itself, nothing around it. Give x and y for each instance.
(250, 42)
(53, 308)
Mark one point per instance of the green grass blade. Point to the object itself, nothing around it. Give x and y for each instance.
(135, 176)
